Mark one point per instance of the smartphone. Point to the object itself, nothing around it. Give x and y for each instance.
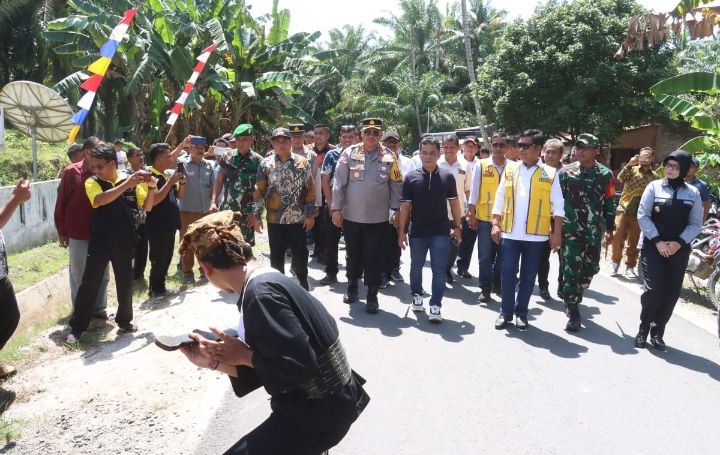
(181, 167)
(147, 177)
(198, 140)
(222, 151)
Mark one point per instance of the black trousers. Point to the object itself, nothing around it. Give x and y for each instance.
(467, 245)
(364, 245)
(332, 239)
(319, 233)
(9, 311)
(97, 261)
(544, 269)
(391, 251)
(284, 236)
(141, 253)
(663, 279)
(162, 247)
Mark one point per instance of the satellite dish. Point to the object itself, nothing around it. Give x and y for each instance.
(38, 112)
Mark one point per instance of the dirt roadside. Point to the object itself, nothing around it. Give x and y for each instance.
(122, 395)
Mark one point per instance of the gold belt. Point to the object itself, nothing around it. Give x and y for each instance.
(334, 374)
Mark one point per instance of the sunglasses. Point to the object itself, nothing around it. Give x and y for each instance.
(371, 132)
(522, 146)
(499, 145)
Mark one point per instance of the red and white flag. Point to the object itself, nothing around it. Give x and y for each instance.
(180, 102)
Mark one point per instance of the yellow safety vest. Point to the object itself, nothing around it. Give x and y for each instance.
(539, 219)
(489, 182)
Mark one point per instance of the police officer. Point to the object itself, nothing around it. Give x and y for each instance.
(670, 216)
(368, 183)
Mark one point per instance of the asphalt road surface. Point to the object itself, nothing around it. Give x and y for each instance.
(462, 387)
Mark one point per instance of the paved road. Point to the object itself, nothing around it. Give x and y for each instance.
(462, 387)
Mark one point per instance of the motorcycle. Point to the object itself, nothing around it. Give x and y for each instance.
(704, 262)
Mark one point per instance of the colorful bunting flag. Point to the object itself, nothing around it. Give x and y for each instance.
(180, 102)
(99, 67)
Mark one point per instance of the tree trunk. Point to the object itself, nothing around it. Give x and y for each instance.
(471, 70)
(413, 72)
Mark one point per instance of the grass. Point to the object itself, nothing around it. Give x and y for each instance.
(10, 430)
(34, 265)
(16, 159)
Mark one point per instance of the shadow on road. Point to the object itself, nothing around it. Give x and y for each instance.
(557, 345)
(595, 333)
(690, 361)
(600, 298)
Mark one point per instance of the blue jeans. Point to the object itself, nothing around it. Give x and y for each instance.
(439, 247)
(512, 251)
(489, 257)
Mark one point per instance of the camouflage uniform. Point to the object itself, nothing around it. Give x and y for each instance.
(589, 200)
(239, 187)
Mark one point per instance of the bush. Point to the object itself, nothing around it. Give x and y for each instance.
(16, 159)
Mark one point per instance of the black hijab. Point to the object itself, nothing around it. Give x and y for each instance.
(684, 159)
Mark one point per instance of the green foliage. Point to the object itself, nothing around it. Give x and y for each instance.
(557, 72)
(16, 159)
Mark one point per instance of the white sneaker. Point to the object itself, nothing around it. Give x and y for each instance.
(615, 268)
(630, 273)
(434, 315)
(417, 303)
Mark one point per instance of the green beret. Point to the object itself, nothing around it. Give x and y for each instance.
(243, 130)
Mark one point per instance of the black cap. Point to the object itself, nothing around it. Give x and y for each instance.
(280, 132)
(390, 134)
(375, 123)
(296, 128)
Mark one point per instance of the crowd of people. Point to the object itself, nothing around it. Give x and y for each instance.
(520, 200)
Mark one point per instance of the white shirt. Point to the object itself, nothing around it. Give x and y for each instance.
(522, 203)
(462, 181)
(406, 164)
(477, 178)
(122, 162)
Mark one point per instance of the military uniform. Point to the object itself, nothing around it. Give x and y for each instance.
(589, 203)
(367, 186)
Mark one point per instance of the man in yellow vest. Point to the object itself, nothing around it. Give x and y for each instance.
(528, 203)
(485, 181)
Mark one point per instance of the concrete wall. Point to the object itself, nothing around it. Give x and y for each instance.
(33, 222)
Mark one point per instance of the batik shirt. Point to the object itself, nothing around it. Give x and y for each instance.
(240, 183)
(635, 179)
(286, 190)
(589, 200)
(3, 258)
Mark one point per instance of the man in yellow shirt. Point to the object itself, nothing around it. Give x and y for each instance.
(116, 199)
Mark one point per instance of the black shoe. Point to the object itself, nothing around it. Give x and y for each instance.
(545, 294)
(351, 295)
(521, 322)
(127, 327)
(640, 340)
(485, 296)
(371, 301)
(464, 274)
(497, 289)
(502, 322)
(658, 343)
(573, 312)
(449, 278)
(328, 279)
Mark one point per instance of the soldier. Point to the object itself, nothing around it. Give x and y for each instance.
(238, 179)
(589, 191)
(367, 185)
(286, 190)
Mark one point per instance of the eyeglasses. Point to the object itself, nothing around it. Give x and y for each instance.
(523, 146)
(499, 145)
(370, 132)
(672, 167)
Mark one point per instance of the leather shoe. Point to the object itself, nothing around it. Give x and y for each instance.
(640, 341)
(658, 343)
(485, 297)
(351, 295)
(521, 322)
(502, 321)
(328, 279)
(464, 274)
(545, 294)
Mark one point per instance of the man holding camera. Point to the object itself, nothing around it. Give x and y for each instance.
(164, 219)
(200, 178)
(237, 176)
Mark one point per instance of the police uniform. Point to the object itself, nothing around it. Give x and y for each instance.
(670, 210)
(366, 186)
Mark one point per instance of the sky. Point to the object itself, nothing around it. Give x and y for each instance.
(313, 15)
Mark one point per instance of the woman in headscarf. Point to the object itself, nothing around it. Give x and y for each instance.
(670, 216)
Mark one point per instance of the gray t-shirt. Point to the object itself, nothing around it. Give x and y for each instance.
(198, 190)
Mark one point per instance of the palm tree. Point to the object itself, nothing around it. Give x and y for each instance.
(471, 69)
